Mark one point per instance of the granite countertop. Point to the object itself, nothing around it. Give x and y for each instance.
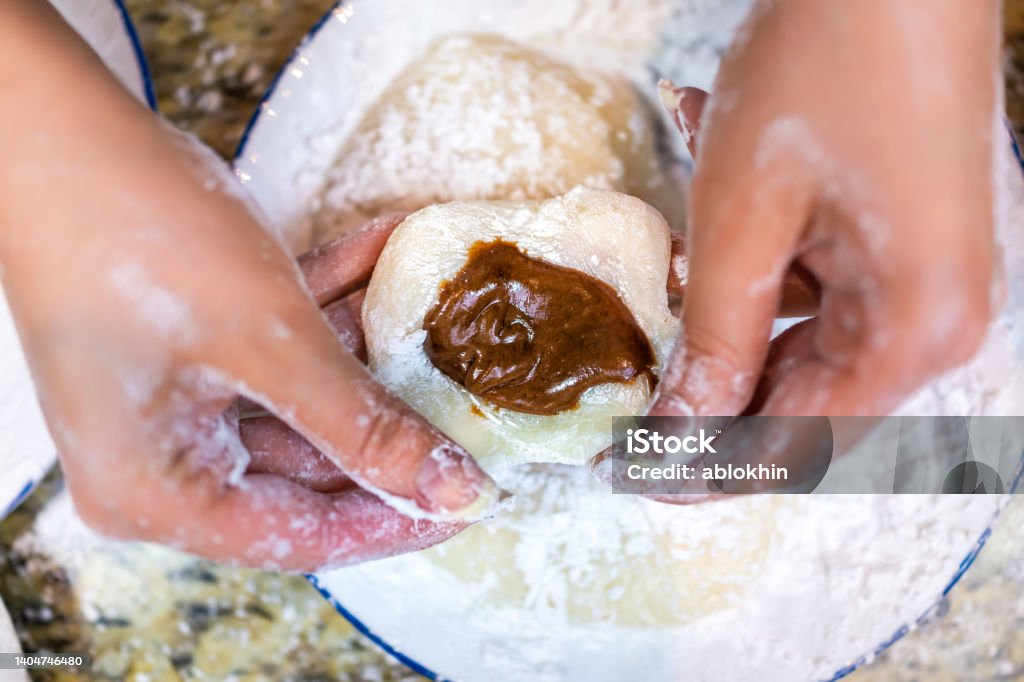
(150, 613)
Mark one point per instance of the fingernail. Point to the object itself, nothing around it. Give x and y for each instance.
(671, 98)
(456, 485)
(601, 467)
(668, 93)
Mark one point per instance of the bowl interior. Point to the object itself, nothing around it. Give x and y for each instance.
(424, 615)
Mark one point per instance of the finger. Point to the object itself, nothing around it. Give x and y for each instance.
(323, 392)
(264, 521)
(276, 524)
(865, 380)
(686, 106)
(787, 349)
(277, 449)
(784, 350)
(346, 318)
(801, 291)
(866, 352)
(678, 270)
(337, 268)
(260, 520)
(739, 249)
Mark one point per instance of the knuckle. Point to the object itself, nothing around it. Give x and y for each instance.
(704, 344)
(388, 434)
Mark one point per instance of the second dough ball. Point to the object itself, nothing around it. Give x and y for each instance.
(479, 117)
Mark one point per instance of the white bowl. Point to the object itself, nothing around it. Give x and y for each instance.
(415, 612)
(26, 450)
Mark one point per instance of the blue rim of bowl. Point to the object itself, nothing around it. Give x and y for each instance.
(22, 495)
(965, 564)
(148, 91)
(140, 57)
(272, 88)
(423, 670)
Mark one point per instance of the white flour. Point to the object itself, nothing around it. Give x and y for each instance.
(562, 588)
(578, 584)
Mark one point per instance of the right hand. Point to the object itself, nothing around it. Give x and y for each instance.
(857, 143)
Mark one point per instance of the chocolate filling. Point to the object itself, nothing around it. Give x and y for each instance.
(531, 336)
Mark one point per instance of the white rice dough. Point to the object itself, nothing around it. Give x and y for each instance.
(612, 237)
(480, 117)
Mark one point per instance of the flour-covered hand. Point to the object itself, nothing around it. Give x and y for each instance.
(855, 141)
(148, 298)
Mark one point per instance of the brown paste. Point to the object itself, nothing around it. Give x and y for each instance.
(531, 336)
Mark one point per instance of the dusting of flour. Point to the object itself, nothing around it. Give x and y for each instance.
(560, 587)
(576, 583)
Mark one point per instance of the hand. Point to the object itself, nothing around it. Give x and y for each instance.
(147, 297)
(856, 142)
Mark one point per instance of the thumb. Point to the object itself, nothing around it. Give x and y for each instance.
(323, 392)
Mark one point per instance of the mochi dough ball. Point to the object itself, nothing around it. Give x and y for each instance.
(612, 237)
(481, 117)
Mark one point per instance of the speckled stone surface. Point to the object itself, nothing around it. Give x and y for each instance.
(147, 613)
(1013, 32)
(176, 618)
